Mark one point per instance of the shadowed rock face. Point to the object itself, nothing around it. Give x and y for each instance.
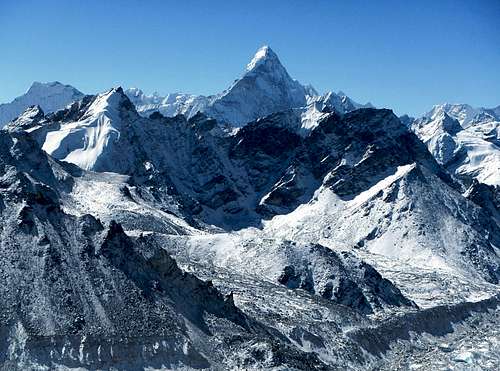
(265, 169)
(342, 278)
(486, 196)
(362, 148)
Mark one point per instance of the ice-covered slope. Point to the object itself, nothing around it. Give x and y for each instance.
(88, 140)
(79, 293)
(177, 157)
(340, 277)
(382, 192)
(465, 140)
(265, 88)
(50, 96)
(410, 216)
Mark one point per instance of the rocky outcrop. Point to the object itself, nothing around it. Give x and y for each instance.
(342, 278)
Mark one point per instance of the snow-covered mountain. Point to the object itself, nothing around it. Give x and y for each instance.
(464, 113)
(336, 224)
(51, 96)
(265, 88)
(139, 233)
(464, 139)
(77, 292)
(170, 106)
(267, 168)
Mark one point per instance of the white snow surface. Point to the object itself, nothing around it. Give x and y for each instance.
(391, 229)
(170, 105)
(464, 113)
(50, 96)
(483, 155)
(468, 147)
(84, 141)
(411, 226)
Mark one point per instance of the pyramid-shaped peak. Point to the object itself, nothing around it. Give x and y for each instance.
(264, 55)
(448, 123)
(111, 100)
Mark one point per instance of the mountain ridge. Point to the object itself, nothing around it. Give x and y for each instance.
(241, 232)
(50, 96)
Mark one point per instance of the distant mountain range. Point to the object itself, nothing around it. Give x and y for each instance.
(465, 140)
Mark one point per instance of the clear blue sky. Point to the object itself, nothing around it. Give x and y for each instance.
(398, 54)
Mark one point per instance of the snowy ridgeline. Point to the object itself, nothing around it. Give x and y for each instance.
(50, 97)
(315, 233)
(463, 139)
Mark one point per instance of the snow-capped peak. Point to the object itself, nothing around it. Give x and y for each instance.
(50, 96)
(33, 112)
(54, 86)
(264, 55)
(443, 122)
(266, 64)
(264, 88)
(135, 92)
(84, 142)
(109, 101)
(27, 120)
(464, 113)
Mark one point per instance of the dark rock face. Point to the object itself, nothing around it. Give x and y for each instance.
(72, 284)
(450, 125)
(342, 278)
(363, 147)
(264, 152)
(75, 111)
(486, 196)
(266, 168)
(295, 280)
